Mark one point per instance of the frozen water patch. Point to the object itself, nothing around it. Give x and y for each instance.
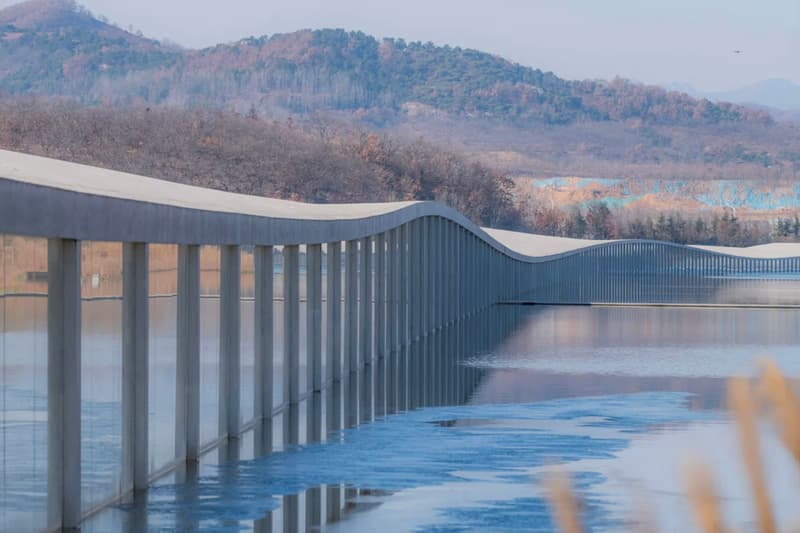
(413, 453)
(524, 514)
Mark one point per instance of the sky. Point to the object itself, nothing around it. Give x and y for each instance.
(663, 42)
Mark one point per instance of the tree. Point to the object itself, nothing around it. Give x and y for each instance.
(575, 223)
(598, 219)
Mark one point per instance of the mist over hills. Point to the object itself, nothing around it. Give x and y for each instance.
(520, 119)
(779, 96)
(54, 48)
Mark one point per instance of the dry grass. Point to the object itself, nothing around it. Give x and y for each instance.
(703, 498)
(771, 395)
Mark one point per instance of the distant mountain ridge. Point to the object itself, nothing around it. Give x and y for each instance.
(776, 93)
(55, 48)
(520, 120)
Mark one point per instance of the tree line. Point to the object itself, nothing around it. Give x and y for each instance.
(320, 162)
(70, 53)
(597, 221)
(324, 161)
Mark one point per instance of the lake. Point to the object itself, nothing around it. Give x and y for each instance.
(621, 397)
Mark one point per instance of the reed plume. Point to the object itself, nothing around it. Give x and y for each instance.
(563, 503)
(703, 499)
(742, 401)
(783, 407)
(774, 392)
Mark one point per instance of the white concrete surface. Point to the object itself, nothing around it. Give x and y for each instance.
(52, 198)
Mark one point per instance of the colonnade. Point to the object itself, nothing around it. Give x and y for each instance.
(388, 292)
(387, 299)
(641, 271)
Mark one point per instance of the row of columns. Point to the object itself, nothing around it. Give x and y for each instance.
(482, 331)
(643, 272)
(382, 344)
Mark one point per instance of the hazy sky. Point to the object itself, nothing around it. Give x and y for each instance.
(664, 41)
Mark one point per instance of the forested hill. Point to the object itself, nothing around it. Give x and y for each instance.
(54, 48)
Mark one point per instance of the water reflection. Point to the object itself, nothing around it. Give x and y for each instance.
(23, 395)
(514, 355)
(579, 351)
(681, 287)
(598, 388)
(301, 504)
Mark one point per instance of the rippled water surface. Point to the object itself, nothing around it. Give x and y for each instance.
(622, 397)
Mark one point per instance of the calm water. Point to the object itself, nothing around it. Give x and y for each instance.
(622, 398)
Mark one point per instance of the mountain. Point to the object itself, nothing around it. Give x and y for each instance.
(521, 120)
(776, 94)
(54, 48)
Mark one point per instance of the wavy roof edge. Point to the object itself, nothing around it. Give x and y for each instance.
(66, 188)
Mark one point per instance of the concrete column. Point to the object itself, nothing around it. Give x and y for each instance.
(459, 285)
(351, 307)
(428, 287)
(333, 337)
(187, 391)
(488, 284)
(440, 247)
(135, 363)
(64, 384)
(446, 276)
(365, 303)
(380, 295)
(392, 319)
(471, 257)
(412, 269)
(230, 331)
(313, 508)
(291, 342)
(315, 378)
(451, 258)
(403, 274)
(351, 333)
(444, 249)
(449, 308)
(333, 497)
(434, 268)
(468, 293)
(426, 300)
(433, 346)
(263, 367)
(413, 373)
(366, 347)
(380, 324)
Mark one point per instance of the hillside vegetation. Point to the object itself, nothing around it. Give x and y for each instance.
(522, 119)
(235, 153)
(334, 115)
(51, 47)
(249, 155)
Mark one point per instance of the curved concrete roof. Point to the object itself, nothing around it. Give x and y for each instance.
(541, 245)
(51, 198)
(764, 251)
(122, 185)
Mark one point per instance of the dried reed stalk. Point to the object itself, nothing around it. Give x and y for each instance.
(784, 408)
(742, 402)
(703, 499)
(563, 503)
(783, 405)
